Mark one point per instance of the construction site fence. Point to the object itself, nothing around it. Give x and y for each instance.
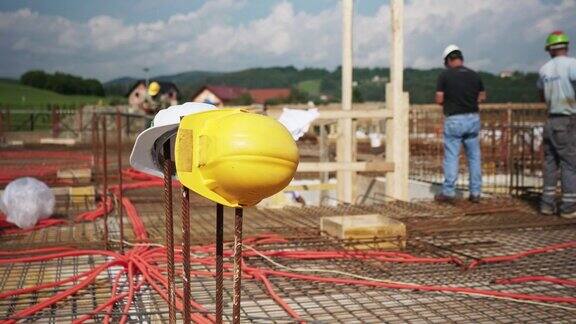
(68, 121)
(511, 139)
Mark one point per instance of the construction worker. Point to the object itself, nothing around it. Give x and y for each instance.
(151, 103)
(557, 89)
(459, 90)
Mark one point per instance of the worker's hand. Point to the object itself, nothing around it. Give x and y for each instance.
(482, 96)
(439, 98)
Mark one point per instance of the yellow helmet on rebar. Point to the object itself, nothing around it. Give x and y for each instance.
(153, 88)
(234, 157)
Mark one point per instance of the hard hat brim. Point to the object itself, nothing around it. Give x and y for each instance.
(166, 120)
(141, 157)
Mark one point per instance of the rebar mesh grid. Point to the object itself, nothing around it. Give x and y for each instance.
(511, 143)
(495, 227)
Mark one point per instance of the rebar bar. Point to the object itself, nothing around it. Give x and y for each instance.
(169, 232)
(96, 149)
(237, 265)
(219, 262)
(120, 194)
(105, 177)
(186, 279)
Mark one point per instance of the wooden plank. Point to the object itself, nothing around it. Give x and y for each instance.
(389, 233)
(375, 166)
(84, 173)
(58, 141)
(398, 152)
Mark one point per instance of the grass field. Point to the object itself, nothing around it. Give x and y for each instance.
(312, 87)
(14, 95)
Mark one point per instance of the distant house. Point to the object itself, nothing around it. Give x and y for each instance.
(261, 96)
(218, 95)
(223, 95)
(506, 74)
(168, 93)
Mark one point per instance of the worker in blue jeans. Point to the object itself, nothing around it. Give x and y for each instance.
(459, 90)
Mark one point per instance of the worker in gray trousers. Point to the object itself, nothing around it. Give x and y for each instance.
(557, 79)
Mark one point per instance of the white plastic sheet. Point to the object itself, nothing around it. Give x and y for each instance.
(375, 140)
(298, 121)
(26, 201)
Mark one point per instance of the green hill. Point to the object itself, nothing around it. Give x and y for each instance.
(13, 95)
(313, 82)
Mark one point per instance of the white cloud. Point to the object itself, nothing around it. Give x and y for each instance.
(494, 35)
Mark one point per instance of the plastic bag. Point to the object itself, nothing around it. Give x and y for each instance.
(27, 200)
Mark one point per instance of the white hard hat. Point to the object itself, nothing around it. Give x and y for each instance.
(164, 126)
(449, 49)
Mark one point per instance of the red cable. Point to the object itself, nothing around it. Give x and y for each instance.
(59, 296)
(520, 255)
(559, 281)
(48, 285)
(130, 293)
(113, 291)
(146, 261)
(277, 299)
(538, 298)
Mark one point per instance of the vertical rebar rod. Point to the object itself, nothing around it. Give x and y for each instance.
(105, 177)
(237, 265)
(96, 149)
(219, 262)
(169, 232)
(186, 252)
(120, 194)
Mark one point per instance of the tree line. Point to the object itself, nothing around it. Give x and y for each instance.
(322, 85)
(62, 83)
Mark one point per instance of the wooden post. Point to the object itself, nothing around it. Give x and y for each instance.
(80, 127)
(345, 150)
(397, 146)
(324, 157)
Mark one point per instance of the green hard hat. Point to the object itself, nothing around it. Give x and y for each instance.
(557, 38)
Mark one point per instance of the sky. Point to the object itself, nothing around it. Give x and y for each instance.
(107, 39)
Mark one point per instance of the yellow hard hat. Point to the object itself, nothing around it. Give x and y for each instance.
(234, 157)
(153, 88)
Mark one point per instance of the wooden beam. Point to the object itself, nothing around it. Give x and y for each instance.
(355, 114)
(375, 166)
(345, 148)
(397, 102)
(311, 187)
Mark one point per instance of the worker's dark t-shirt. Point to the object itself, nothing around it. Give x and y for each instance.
(461, 87)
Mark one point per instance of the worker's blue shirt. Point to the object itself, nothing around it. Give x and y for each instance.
(558, 81)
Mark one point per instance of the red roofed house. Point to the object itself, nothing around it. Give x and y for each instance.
(261, 96)
(222, 95)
